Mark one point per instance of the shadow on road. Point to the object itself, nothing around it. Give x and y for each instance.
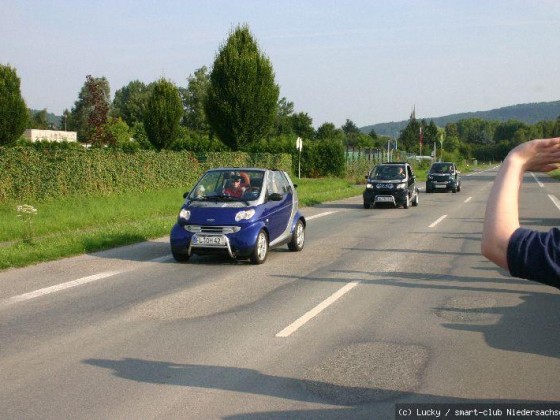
(253, 382)
(534, 321)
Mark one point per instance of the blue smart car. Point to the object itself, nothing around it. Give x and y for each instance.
(240, 212)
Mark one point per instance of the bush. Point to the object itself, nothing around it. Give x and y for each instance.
(323, 158)
(39, 173)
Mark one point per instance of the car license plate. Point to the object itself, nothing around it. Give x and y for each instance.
(209, 240)
(384, 198)
(441, 185)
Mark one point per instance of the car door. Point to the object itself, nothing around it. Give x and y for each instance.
(411, 181)
(454, 174)
(278, 212)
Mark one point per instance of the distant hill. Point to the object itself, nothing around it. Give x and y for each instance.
(527, 113)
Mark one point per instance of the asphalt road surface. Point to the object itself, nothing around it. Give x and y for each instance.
(383, 306)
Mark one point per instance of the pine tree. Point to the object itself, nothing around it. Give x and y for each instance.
(13, 111)
(163, 114)
(241, 105)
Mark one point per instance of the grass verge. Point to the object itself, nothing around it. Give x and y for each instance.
(76, 225)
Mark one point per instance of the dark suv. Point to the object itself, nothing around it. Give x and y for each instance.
(443, 176)
(391, 183)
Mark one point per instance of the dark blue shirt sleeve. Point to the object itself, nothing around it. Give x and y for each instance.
(535, 255)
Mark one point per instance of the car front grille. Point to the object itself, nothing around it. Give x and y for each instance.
(212, 229)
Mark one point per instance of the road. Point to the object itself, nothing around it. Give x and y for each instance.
(383, 306)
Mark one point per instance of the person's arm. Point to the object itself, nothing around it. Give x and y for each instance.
(502, 209)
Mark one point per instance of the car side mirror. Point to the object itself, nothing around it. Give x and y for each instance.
(185, 194)
(275, 197)
(367, 176)
(295, 185)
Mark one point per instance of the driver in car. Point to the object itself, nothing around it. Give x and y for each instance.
(235, 189)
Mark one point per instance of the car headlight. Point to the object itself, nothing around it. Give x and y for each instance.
(430, 177)
(185, 214)
(369, 186)
(244, 215)
(401, 186)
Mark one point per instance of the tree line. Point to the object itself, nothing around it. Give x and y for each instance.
(472, 138)
(236, 106)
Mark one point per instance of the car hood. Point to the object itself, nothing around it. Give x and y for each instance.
(225, 215)
(387, 181)
(216, 204)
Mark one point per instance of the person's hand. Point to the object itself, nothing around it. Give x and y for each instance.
(541, 155)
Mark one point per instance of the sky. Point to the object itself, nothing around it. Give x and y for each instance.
(369, 61)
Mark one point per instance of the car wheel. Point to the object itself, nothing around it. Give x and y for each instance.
(454, 190)
(182, 258)
(406, 204)
(459, 188)
(258, 256)
(416, 199)
(367, 205)
(298, 237)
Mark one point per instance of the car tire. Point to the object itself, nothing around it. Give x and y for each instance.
(406, 204)
(259, 254)
(459, 188)
(416, 199)
(454, 190)
(367, 205)
(298, 237)
(179, 257)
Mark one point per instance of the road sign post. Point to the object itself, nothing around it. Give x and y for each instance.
(299, 146)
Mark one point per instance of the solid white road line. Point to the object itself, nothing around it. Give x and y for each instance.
(290, 329)
(537, 179)
(165, 258)
(468, 199)
(58, 287)
(316, 216)
(554, 200)
(438, 220)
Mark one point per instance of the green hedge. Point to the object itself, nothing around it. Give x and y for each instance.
(30, 174)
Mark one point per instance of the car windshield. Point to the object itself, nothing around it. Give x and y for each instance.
(228, 185)
(385, 173)
(441, 168)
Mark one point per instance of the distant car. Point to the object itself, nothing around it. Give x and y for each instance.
(240, 212)
(391, 183)
(443, 176)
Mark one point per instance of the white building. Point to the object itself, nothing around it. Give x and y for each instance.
(50, 135)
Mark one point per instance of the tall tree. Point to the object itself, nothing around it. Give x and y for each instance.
(130, 102)
(194, 97)
(98, 111)
(79, 118)
(409, 138)
(40, 120)
(13, 111)
(430, 133)
(283, 121)
(352, 132)
(328, 131)
(164, 113)
(242, 97)
(302, 125)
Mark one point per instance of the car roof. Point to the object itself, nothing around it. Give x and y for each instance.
(244, 169)
(393, 163)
